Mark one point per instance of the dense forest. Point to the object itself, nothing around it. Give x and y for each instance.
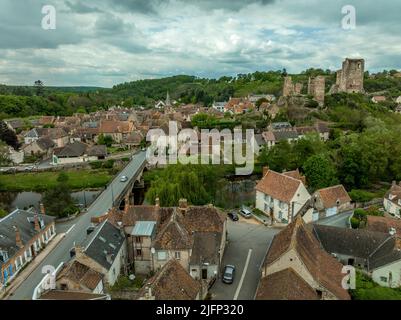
(25, 101)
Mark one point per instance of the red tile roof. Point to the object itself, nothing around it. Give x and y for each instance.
(172, 282)
(331, 195)
(324, 268)
(279, 186)
(285, 285)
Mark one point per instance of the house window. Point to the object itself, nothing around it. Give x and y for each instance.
(280, 215)
(138, 252)
(383, 279)
(266, 207)
(138, 239)
(178, 255)
(161, 255)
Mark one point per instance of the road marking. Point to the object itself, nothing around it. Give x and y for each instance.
(69, 230)
(243, 275)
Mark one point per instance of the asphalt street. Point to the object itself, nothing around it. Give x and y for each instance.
(76, 229)
(246, 249)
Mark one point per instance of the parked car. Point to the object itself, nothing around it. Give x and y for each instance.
(233, 216)
(72, 252)
(124, 179)
(29, 168)
(228, 274)
(246, 213)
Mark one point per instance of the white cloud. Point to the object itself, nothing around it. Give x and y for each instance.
(101, 44)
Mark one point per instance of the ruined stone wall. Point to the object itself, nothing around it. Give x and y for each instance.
(316, 88)
(350, 77)
(288, 88)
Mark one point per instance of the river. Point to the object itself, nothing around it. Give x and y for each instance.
(12, 200)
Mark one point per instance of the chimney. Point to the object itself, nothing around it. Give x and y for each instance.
(183, 206)
(36, 220)
(79, 251)
(18, 240)
(157, 202)
(265, 170)
(42, 208)
(109, 258)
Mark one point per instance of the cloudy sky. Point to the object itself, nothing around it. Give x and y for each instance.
(106, 42)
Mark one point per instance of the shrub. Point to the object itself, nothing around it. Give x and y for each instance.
(109, 164)
(355, 223)
(96, 165)
(361, 195)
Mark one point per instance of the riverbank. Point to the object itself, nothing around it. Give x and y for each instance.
(43, 181)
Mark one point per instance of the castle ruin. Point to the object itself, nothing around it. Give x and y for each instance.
(350, 77)
(291, 88)
(316, 88)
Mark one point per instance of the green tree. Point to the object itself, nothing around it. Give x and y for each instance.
(320, 171)
(58, 201)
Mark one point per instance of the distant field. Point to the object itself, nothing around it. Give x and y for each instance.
(46, 180)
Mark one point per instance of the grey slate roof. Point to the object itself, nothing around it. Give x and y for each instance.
(105, 240)
(75, 149)
(285, 135)
(24, 221)
(377, 248)
(45, 143)
(206, 248)
(97, 151)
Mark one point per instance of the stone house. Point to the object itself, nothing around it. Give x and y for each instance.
(35, 134)
(377, 253)
(156, 235)
(280, 196)
(118, 130)
(392, 200)
(75, 276)
(41, 147)
(78, 152)
(23, 234)
(331, 201)
(171, 282)
(105, 251)
(297, 268)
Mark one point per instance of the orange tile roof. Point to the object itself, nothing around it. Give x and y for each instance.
(324, 268)
(331, 195)
(278, 186)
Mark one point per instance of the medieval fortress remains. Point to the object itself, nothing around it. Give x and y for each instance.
(349, 79)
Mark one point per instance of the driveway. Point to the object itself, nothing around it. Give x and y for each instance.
(248, 242)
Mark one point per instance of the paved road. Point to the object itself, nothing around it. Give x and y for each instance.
(340, 220)
(247, 247)
(76, 229)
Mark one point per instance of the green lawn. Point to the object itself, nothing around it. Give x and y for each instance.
(366, 289)
(42, 181)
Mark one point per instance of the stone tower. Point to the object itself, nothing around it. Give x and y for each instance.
(288, 88)
(350, 77)
(316, 88)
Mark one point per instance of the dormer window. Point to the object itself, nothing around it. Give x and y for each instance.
(3, 256)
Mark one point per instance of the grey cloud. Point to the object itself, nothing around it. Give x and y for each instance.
(79, 7)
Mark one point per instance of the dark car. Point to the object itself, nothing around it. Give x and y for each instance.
(228, 274)
(233, 216)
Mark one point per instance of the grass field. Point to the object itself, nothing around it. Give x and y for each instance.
(43, 181)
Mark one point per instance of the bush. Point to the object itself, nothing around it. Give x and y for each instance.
(109, 164)
(96, 165)
(361, 195)
(360, 214)
(355, 223)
